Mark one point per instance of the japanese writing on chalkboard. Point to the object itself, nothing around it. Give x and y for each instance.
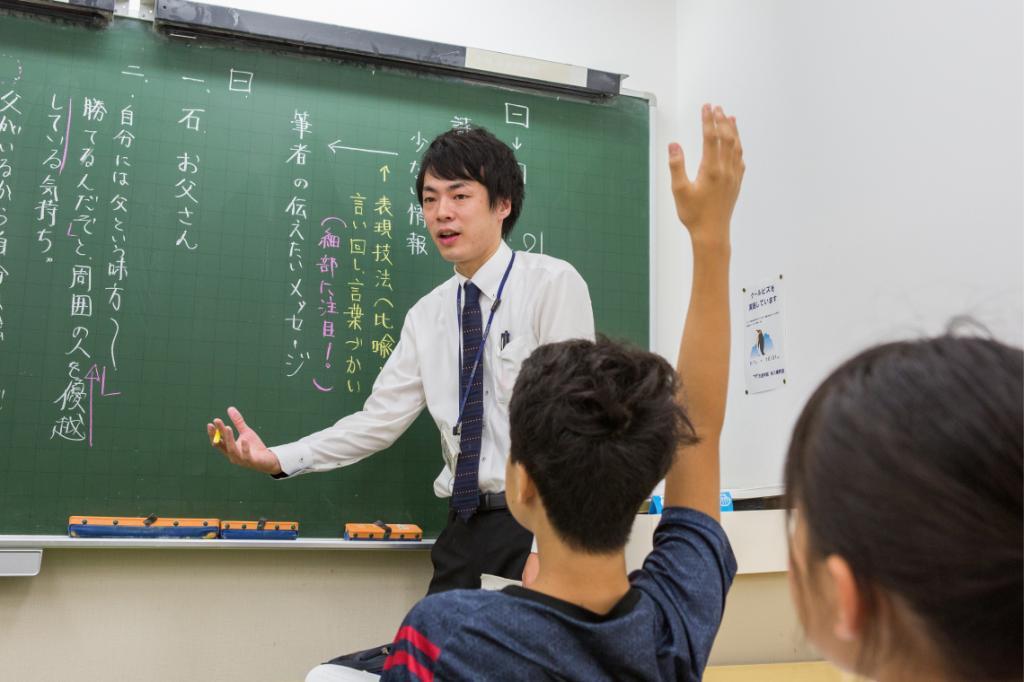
(296, 216)
(10, 129)
(122, 184)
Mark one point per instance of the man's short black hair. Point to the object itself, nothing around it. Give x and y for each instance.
(476, 154)
(596, 425)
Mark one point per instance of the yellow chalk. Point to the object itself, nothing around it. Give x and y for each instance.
(216, 437)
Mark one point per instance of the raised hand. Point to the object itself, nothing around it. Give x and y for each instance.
(705, 205)
(247, 450)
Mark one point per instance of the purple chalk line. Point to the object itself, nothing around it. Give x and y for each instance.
(67, 138)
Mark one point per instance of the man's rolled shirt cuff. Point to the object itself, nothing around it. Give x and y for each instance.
(294, 458)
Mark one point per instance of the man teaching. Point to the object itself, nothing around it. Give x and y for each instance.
(459, 354)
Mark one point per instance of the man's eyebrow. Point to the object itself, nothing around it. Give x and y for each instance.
(458, 184)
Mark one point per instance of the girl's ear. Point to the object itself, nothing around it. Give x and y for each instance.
(849, 615)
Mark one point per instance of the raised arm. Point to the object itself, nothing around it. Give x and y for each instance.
(705, 207)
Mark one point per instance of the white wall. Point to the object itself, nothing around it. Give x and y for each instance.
(202, 615)
(883, 148)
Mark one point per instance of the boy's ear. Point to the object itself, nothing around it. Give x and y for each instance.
(849, 615)
(523, 487)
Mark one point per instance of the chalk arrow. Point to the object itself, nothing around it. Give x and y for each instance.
(336, 145)
(92, 376)
(517, 144)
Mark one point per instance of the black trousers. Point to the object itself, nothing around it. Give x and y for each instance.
(491, 541)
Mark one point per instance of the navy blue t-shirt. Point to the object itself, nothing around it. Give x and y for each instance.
(662, 629)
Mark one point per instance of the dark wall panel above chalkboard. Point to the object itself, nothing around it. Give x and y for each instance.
(171, 216)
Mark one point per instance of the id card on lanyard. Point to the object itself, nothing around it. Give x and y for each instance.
(463, 396)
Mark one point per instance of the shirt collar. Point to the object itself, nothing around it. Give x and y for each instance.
(488, 277)
(622, 608)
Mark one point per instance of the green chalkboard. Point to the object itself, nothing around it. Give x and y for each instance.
(163, 211)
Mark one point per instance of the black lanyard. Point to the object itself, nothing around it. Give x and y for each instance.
(483, 341)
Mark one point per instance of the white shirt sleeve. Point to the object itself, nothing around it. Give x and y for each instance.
(564, 311)
(396, 400)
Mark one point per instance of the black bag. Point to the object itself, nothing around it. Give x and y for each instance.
(367, 660)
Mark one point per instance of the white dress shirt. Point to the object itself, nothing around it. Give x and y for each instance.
(545, 300)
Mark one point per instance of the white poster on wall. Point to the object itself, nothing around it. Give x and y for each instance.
(764, 337)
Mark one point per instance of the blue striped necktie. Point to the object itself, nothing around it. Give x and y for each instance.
(466, 490)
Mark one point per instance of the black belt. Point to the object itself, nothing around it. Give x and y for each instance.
(492, 501)
(489, 502)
